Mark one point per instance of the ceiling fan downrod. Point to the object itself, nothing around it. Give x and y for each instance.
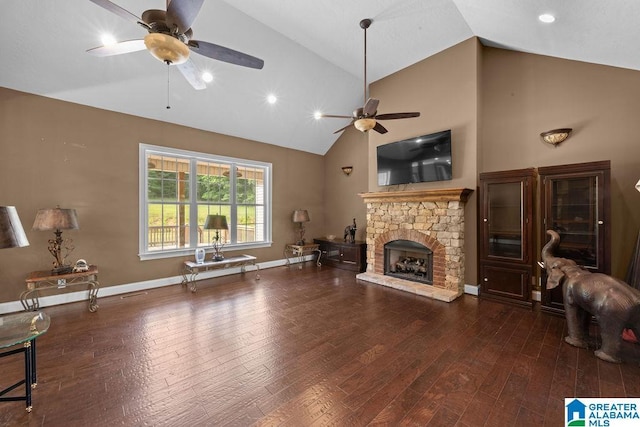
(364, 24)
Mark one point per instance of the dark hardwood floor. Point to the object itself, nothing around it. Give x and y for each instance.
(310, 347)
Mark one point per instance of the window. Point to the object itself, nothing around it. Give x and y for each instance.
(180, 188)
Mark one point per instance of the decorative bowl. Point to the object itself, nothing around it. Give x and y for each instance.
(331, 236)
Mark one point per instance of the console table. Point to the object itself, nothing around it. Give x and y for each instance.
(42, 280)
(293, 250)
(345, 255)
(191, 269)
(22, 328)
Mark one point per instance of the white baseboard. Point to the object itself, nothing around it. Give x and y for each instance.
(47, 301)
(472, 289)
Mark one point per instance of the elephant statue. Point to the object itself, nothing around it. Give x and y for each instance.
(614, 304)
(350, 232)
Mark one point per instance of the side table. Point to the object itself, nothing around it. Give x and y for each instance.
(42, 280)
(22, 328)
(293, 250)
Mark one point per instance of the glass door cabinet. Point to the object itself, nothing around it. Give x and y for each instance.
(506, 231)
(575, 203)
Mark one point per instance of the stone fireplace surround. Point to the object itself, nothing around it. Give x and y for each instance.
(433, 218)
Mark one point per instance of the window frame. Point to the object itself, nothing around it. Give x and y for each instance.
(193, 157)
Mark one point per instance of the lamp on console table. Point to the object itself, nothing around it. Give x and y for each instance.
(300, 216)
(216, 222)
(58, 219)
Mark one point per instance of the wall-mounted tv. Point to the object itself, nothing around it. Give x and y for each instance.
(424, 158)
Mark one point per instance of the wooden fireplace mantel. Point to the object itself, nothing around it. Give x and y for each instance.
(440, 195)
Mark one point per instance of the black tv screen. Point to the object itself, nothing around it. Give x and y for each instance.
(424, 158)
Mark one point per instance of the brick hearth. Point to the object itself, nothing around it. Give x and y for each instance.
(433, 218)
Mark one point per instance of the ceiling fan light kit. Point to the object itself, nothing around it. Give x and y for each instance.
(364, 125)
(166, 48)
(366, 118)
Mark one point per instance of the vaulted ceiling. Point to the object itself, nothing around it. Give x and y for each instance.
(313, 55)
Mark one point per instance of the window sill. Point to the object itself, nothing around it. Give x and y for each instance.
(145, 256)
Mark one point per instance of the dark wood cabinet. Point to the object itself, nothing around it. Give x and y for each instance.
(506, 235)
(575, 202)
(348, 256)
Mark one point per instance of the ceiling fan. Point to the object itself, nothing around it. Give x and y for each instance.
(169, 39)
(366, 118)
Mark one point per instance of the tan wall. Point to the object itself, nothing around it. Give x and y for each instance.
(58, 153)
(496, 102)
(525, 94)
(342, 202)
(444, 89)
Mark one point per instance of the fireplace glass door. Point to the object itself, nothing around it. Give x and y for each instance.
(408, 260)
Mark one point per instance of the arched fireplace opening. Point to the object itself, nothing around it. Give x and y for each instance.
(408, 260)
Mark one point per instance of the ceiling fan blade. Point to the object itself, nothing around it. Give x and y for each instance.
(224, 54)
(392, 116)
(379, 128)
(182, 13)
(343, 128)
(334, 116)
(370, 107)
(127, 46)
(117, 10)
(191, 73)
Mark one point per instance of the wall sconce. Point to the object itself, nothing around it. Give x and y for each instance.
(56, 220)
(556, 136)
(638, 185)
(347, 170)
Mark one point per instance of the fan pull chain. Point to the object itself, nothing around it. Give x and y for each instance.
(168, 71)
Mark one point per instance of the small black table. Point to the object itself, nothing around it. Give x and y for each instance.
(22, 328)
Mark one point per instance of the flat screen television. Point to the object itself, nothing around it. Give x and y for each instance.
(424, 158)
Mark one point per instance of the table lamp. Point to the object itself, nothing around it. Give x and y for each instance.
(58, 219)
(216, 222)
(11, 232)
(300, 216)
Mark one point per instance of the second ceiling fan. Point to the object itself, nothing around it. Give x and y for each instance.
(366, 117)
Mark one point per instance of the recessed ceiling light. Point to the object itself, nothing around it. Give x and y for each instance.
(272, 99)
(207, 77)
(108, 40)
(547, 18)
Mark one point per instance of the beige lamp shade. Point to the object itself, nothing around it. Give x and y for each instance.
(301, 215)
(216, 222)
(11, 232)
(56, 219)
